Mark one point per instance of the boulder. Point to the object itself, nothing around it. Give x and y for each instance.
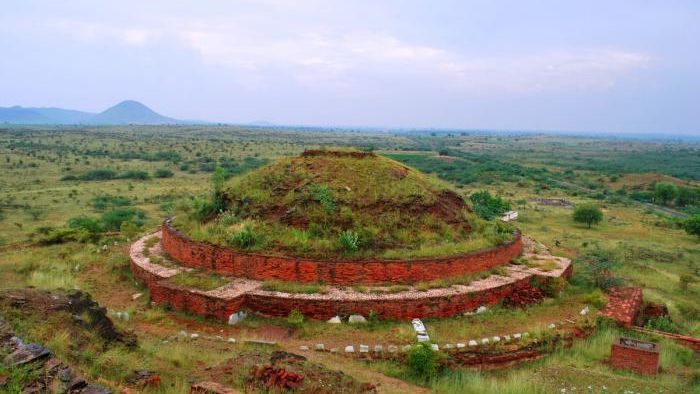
(334, 320)
(359, 319)
(26, 354)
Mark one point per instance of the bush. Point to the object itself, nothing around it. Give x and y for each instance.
(133, 174)
(295, 319)
(163, 173)
(588, 213)
(487, 206)
(101, 203)
(101, 174)
(423, 361)
(113, 220)
(692, 225)
(553, 286)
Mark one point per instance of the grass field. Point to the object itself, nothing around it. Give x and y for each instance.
(35, 203)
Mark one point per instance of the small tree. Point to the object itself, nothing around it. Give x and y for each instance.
(665, 192)
(588, 213)
(692, 225)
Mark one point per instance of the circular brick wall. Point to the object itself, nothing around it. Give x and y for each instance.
(228, 262)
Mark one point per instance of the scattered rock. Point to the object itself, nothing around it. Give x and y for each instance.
(422, 338)
(378, 348)
(406, 348)
(364, 349)
(237, 317)
(517, 335)
(506, 338)
(496, 339)
(194, 336)
(552, 326)
(392, 349)
(349, 349)
(304, 348)
(435, 347)
(320, 347)
(359, 319)
(485, 341)
(231, 340)
(460, 345)
(136, 296)
(481, 309)
(334, 320)
(472, 343)
(584, 311)
(27, 354)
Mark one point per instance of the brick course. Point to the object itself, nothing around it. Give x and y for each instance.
(225, 261)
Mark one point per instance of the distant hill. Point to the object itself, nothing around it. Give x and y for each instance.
(126, 112)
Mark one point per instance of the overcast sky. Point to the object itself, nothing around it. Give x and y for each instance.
(617, 66)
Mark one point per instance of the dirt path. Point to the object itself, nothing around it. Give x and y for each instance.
(358, 370)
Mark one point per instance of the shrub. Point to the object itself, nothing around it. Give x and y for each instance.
(101, 203)
(134, 174)
(599, 264)
(487, 206)
(661, 323)
(101, 174)
(295, 319)
(163, 173)
(553, 286)
(423, 361)
(112, 220)
(349, 241)
(588, 213)
(692, 225)
(244, 239)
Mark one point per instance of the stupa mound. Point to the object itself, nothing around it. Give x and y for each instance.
(334, 233)
(345, 205)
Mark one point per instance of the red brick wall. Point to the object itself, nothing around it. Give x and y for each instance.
(334, 272)
(640, 361)
(183, 299)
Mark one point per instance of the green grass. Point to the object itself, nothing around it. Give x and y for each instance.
(199, 280)
(294, 287)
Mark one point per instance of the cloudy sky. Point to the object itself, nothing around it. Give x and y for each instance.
(615, 66)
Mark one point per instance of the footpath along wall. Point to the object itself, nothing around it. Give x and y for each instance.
(228, 262)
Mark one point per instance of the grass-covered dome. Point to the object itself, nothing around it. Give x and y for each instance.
(343, 204)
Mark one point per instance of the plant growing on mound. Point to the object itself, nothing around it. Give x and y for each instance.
(295, 319)
(588, 213)
(324, 196)
(349, 241)
(423, 361)
(661, 323)
(243, 239)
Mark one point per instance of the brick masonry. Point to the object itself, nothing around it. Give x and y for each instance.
(642, 361)
(432, 303)
(228, 262)
(624, 304)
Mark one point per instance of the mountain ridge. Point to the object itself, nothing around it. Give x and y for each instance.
(125, 112)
